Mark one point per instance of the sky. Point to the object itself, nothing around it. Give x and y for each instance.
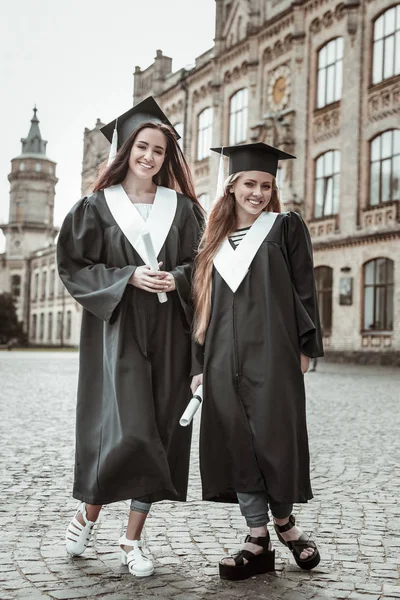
(75, 60)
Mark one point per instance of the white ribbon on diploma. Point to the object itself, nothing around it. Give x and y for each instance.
(192, 407)
(152, 261)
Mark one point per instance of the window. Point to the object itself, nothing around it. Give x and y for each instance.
(59, 325)
(16, 286)
(330, 68)
(38, 167)
(50, 327)
(52, 282)
(386, 49)
(385, 168)
(34, 327)
(44, 285)
(179, 129)
(238, 113)
(327, 183)
(35, 291)
(323, 282)
(21, 166)
(204, 200)
(41, 327)
(69, 325)
(378, 295)
(204, 133)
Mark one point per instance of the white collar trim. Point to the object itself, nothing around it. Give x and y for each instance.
(132, 224)
(232, 264)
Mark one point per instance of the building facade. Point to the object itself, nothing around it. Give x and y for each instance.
(320, 79)
(28, 270)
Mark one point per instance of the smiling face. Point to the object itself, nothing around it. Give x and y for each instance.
(252, 190)
(148, 153)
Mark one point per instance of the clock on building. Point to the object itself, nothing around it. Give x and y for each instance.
(278, 92)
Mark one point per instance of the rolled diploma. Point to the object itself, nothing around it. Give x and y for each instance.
(153, 262)
(192, 407)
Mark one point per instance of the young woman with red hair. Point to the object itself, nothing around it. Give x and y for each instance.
(257, 325)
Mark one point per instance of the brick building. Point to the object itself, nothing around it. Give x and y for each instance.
(320, 79)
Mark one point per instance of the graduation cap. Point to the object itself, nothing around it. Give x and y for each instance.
(253, 157)
(119, 130)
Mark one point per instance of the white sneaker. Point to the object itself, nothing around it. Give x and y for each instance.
(138, 564)
(78, 535)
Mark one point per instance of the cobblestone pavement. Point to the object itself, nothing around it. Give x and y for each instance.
(354, 435)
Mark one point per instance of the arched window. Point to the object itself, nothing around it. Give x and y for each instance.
(204, 200)
(386, 49)
(179, 129)
(385, 168)
(327, 184)
(378, 295)
(16, 285)
(330, 72)
(324, 281)
(204, 133)
(238, 116)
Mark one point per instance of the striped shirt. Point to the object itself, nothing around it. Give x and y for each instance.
(236, 237)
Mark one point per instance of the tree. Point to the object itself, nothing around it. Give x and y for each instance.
(10, 328)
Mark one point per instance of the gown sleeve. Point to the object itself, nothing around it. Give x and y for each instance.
(300, 261)
(96, 286)
(190, 237)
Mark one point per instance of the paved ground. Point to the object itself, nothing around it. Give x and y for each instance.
(354, 431)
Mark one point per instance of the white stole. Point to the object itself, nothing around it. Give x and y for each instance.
(132, 224)
(233, 264)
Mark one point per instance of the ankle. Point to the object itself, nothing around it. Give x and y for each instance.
(281, 522)
(259, 531)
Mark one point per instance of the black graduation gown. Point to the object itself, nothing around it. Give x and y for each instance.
(134, 357)
(253, 424)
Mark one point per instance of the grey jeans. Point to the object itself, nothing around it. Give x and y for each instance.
(142, 507)
(254, 507)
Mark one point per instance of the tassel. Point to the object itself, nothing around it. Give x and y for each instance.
(221, 177)
(114, 145)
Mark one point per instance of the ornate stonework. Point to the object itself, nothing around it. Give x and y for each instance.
(376, 340)
(279, 48)
(327, 19)
(326, 124)
(381, 218)
(202, 169)
(384, 100)
(323, 228)
(279, 87)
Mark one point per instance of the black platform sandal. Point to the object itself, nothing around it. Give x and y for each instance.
(257, 563)
(297, 546)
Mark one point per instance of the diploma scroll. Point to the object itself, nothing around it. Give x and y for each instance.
(192, 407)
(153, 262)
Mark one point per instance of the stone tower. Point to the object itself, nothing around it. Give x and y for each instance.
(32, 190)
(30, 226)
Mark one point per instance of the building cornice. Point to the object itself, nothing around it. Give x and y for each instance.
(373, 238)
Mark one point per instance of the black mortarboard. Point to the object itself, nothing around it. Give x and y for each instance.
(119, 130)
(253, 157)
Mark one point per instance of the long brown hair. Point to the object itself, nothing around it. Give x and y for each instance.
(174, 173)
(221, 222)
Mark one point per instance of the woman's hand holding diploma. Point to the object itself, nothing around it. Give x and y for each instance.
(196, 381)
(150, 281)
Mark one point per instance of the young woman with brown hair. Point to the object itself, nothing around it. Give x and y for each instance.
(257, 325)
(134, 378)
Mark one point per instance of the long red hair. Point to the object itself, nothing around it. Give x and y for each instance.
(221, 222)
(174, 173)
